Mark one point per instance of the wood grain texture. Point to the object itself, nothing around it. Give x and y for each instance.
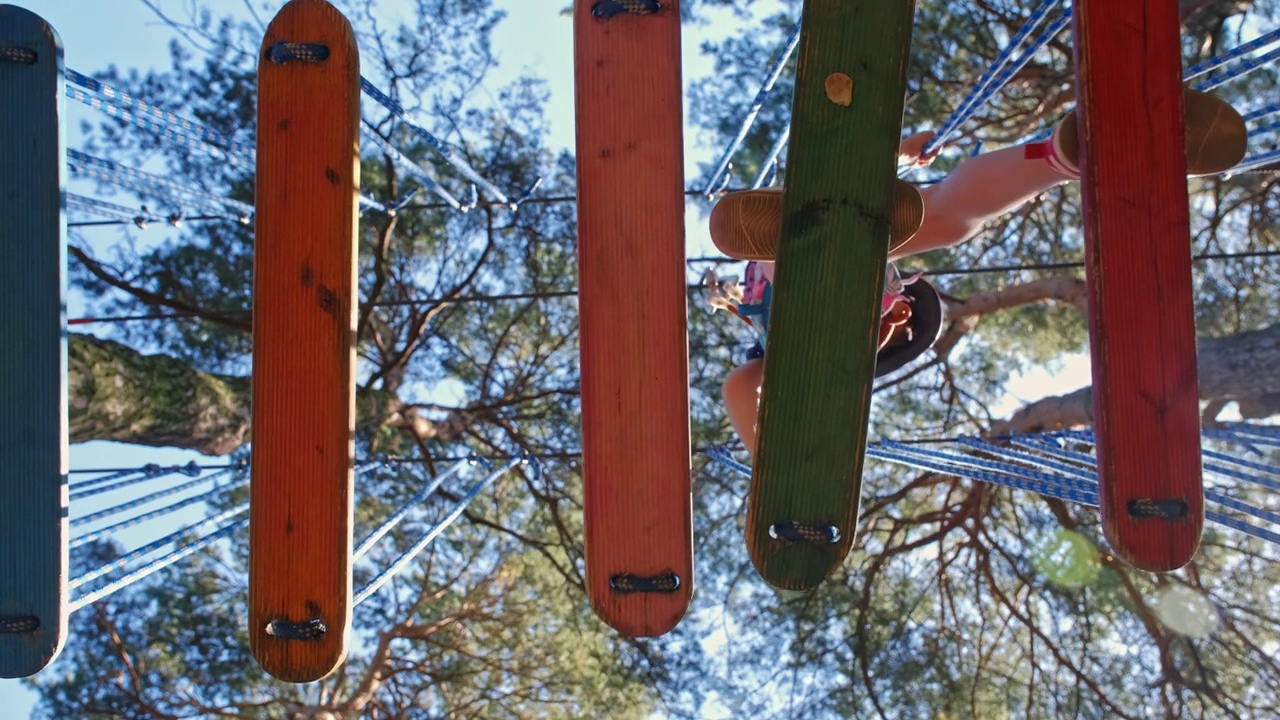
(825, 315)
(303, 343)
(634, 343)
(1138, 264)
(33, 366)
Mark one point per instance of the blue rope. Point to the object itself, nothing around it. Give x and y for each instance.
(100, 533)
(1255, 162)
(1001, 70)
(151, 547)
(417, 498)
(1077, 493)
(1040, 461)
(150, 470)
(1261, 112)
(80, 203)
(166, 132)
(135, 179)
(770, 165)
(413, 168)
(1244, 527)
(179, 124)
(396, 567)
(1240, 70)
(191, 469)
(122, 507)
(770, 79)
(387, 102)
(1221, 59)
(155, 566)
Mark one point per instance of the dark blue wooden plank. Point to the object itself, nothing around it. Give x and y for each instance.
(33, 361)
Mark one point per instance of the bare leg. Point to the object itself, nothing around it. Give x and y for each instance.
(741, 393)
(982, 188)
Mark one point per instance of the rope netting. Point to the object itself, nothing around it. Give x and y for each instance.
(143, 560)
(1022, 47)
(1062, 465)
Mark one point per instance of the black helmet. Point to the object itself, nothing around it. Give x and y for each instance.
(925, 325)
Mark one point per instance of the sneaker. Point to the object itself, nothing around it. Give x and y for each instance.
(745, 224)
(1216, 137)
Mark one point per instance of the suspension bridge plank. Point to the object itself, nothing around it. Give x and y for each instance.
(824, 322)
(304, 318)
(33, 380)
(1138, 266)
(632, 304)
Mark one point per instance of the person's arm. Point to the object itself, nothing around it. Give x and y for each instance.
(741, 392)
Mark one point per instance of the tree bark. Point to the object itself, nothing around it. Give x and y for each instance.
(116, 393)
(1239, 368)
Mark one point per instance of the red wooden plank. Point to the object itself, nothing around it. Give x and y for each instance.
(1138, 263)
(631, 263)
(303, 342)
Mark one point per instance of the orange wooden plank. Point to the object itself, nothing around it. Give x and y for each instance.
(303, 342)
(1138, 262)
(635, 361)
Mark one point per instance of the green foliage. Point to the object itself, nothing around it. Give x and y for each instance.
(946, 607)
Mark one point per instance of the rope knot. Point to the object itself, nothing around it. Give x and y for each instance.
(283, 52)
(794, 532)
(606, 9)
(308, 630)
(626, 583)
(19, 625)
(1147, 508)
(17, 55)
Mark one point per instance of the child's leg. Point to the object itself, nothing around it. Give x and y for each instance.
(741, 394)
(982, 188)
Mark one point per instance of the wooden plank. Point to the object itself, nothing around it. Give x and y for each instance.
(304, 316)
(634, 344)
(33, 368)
(825, 315)
(1138, 263)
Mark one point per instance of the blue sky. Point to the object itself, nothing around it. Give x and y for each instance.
(535, 38)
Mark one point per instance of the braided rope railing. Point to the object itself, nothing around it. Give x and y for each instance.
(412, 167)
(1255, 162)
(191, 470)
(426, 491)
(1003, 68)
(136, 179)
(156, 565)
(147, 549)
(405, 558)
(114, 96)
(387, 102)
(1240, 70)
(148, 498)
(1047, 464)
(86, 538)
(1221, 59)
(770, 79)
(102, 208)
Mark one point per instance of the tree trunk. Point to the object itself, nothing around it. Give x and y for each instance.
(117, 393)
(1239, 368)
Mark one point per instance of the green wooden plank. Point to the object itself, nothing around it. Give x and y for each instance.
(850, 85)
(33, 390)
